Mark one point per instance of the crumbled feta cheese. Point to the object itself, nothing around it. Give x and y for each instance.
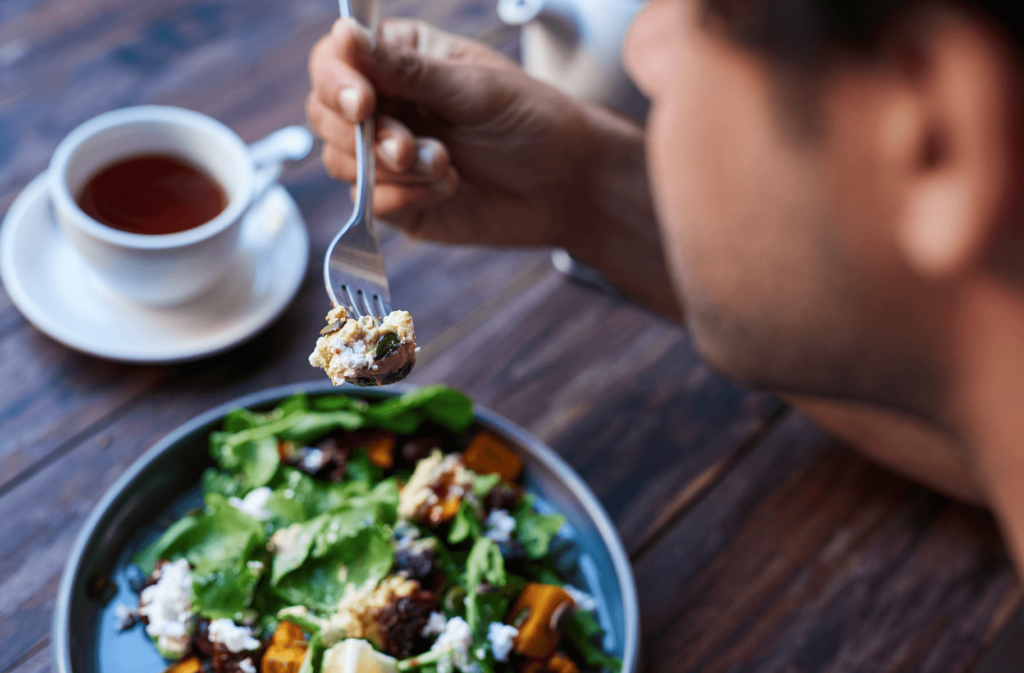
(349, 352)
(435, 625)
(254, 503)
(126, 616)
(313, 460)
(256, 566)
(499, 525)
(245, 666)
(167, 604)
(457, 638)
(501, 636)
(582, 599)
(354, 655)
(230, 635)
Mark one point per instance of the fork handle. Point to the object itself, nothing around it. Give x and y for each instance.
(365, 12)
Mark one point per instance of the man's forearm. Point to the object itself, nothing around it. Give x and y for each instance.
(614, 228)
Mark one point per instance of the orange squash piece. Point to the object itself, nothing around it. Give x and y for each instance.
(556, 663)
(287, 650)
(487, 455)
(537, 614)
(189, 665)
(381, 452)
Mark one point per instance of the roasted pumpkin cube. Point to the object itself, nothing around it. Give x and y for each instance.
(556, 663)
(487, 455)
(538, 614)
(187, 665)
(381, 451)
(287, 650)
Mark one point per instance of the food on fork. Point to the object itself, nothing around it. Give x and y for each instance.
(363, 351)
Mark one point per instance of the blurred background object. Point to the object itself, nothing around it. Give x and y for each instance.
(576, 46)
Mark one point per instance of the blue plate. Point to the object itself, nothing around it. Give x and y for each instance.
(161, 485)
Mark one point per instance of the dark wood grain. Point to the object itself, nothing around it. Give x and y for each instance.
(759, 544)
(809, 558)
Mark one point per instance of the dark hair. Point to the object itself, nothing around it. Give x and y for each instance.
(798, 32)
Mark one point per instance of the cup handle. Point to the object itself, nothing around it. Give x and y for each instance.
(269, 154)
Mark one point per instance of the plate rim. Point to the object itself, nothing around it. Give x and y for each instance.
(14, 287)
(60, 634)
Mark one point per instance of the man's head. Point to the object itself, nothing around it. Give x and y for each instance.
(827, 174)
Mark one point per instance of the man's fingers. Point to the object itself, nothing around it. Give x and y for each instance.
(396, 148)
(396, 201)
(403, 70)
(431, 165)
(339, 85)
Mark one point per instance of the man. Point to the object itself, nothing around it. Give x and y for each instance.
(835, 201)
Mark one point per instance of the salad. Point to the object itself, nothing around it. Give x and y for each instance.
(341, 536)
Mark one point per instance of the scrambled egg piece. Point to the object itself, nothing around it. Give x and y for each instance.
(363, 352)
(435, 489)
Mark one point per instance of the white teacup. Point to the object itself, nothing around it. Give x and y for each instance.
(167, 269)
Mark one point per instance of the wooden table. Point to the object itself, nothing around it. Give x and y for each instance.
(758, 543)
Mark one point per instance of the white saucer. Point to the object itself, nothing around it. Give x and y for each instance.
(57, 291)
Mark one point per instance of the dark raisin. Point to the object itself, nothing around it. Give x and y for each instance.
(504, 496)
(401, 624)
(226, 661)
(201, 639)
(417, 563)
(417, 449)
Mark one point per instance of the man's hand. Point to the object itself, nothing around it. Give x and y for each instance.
(469, 148)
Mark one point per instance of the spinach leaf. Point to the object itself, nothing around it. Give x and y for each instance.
(482, 608)
(296, 553)
(361, 468)
(338, 403)
(220, 537)
(148, 557)
(485, 483)
(535, 530)
(441, 404)
(583, 630)
(224, 591)
(256, 460)
(222, 483)
(297, 402)
(320, 583)
(237, 420)
(309, 425)
(485, 563)
(464, 525)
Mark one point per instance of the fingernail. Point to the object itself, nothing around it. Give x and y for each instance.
(389, 148)
(348, 99)
(426, 155)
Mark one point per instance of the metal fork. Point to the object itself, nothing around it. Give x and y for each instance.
(354, 270)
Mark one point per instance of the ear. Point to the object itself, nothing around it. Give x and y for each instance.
(961, 125)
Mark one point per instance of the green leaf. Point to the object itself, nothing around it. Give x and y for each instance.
(319, 583)
(443, 405)
(310, 425)
(284, 511)
(255, 460)
(482, 608)
(297, 402)
(464, 525)
(222, 483)
(583, 630)
(222, 536)
(223, 592)
(147, 559)
(314, 655)
(339, 403)
(237, 420)
(534, 530)
(485, 563)
(295, 555)
(361, 468)
(485, 483)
